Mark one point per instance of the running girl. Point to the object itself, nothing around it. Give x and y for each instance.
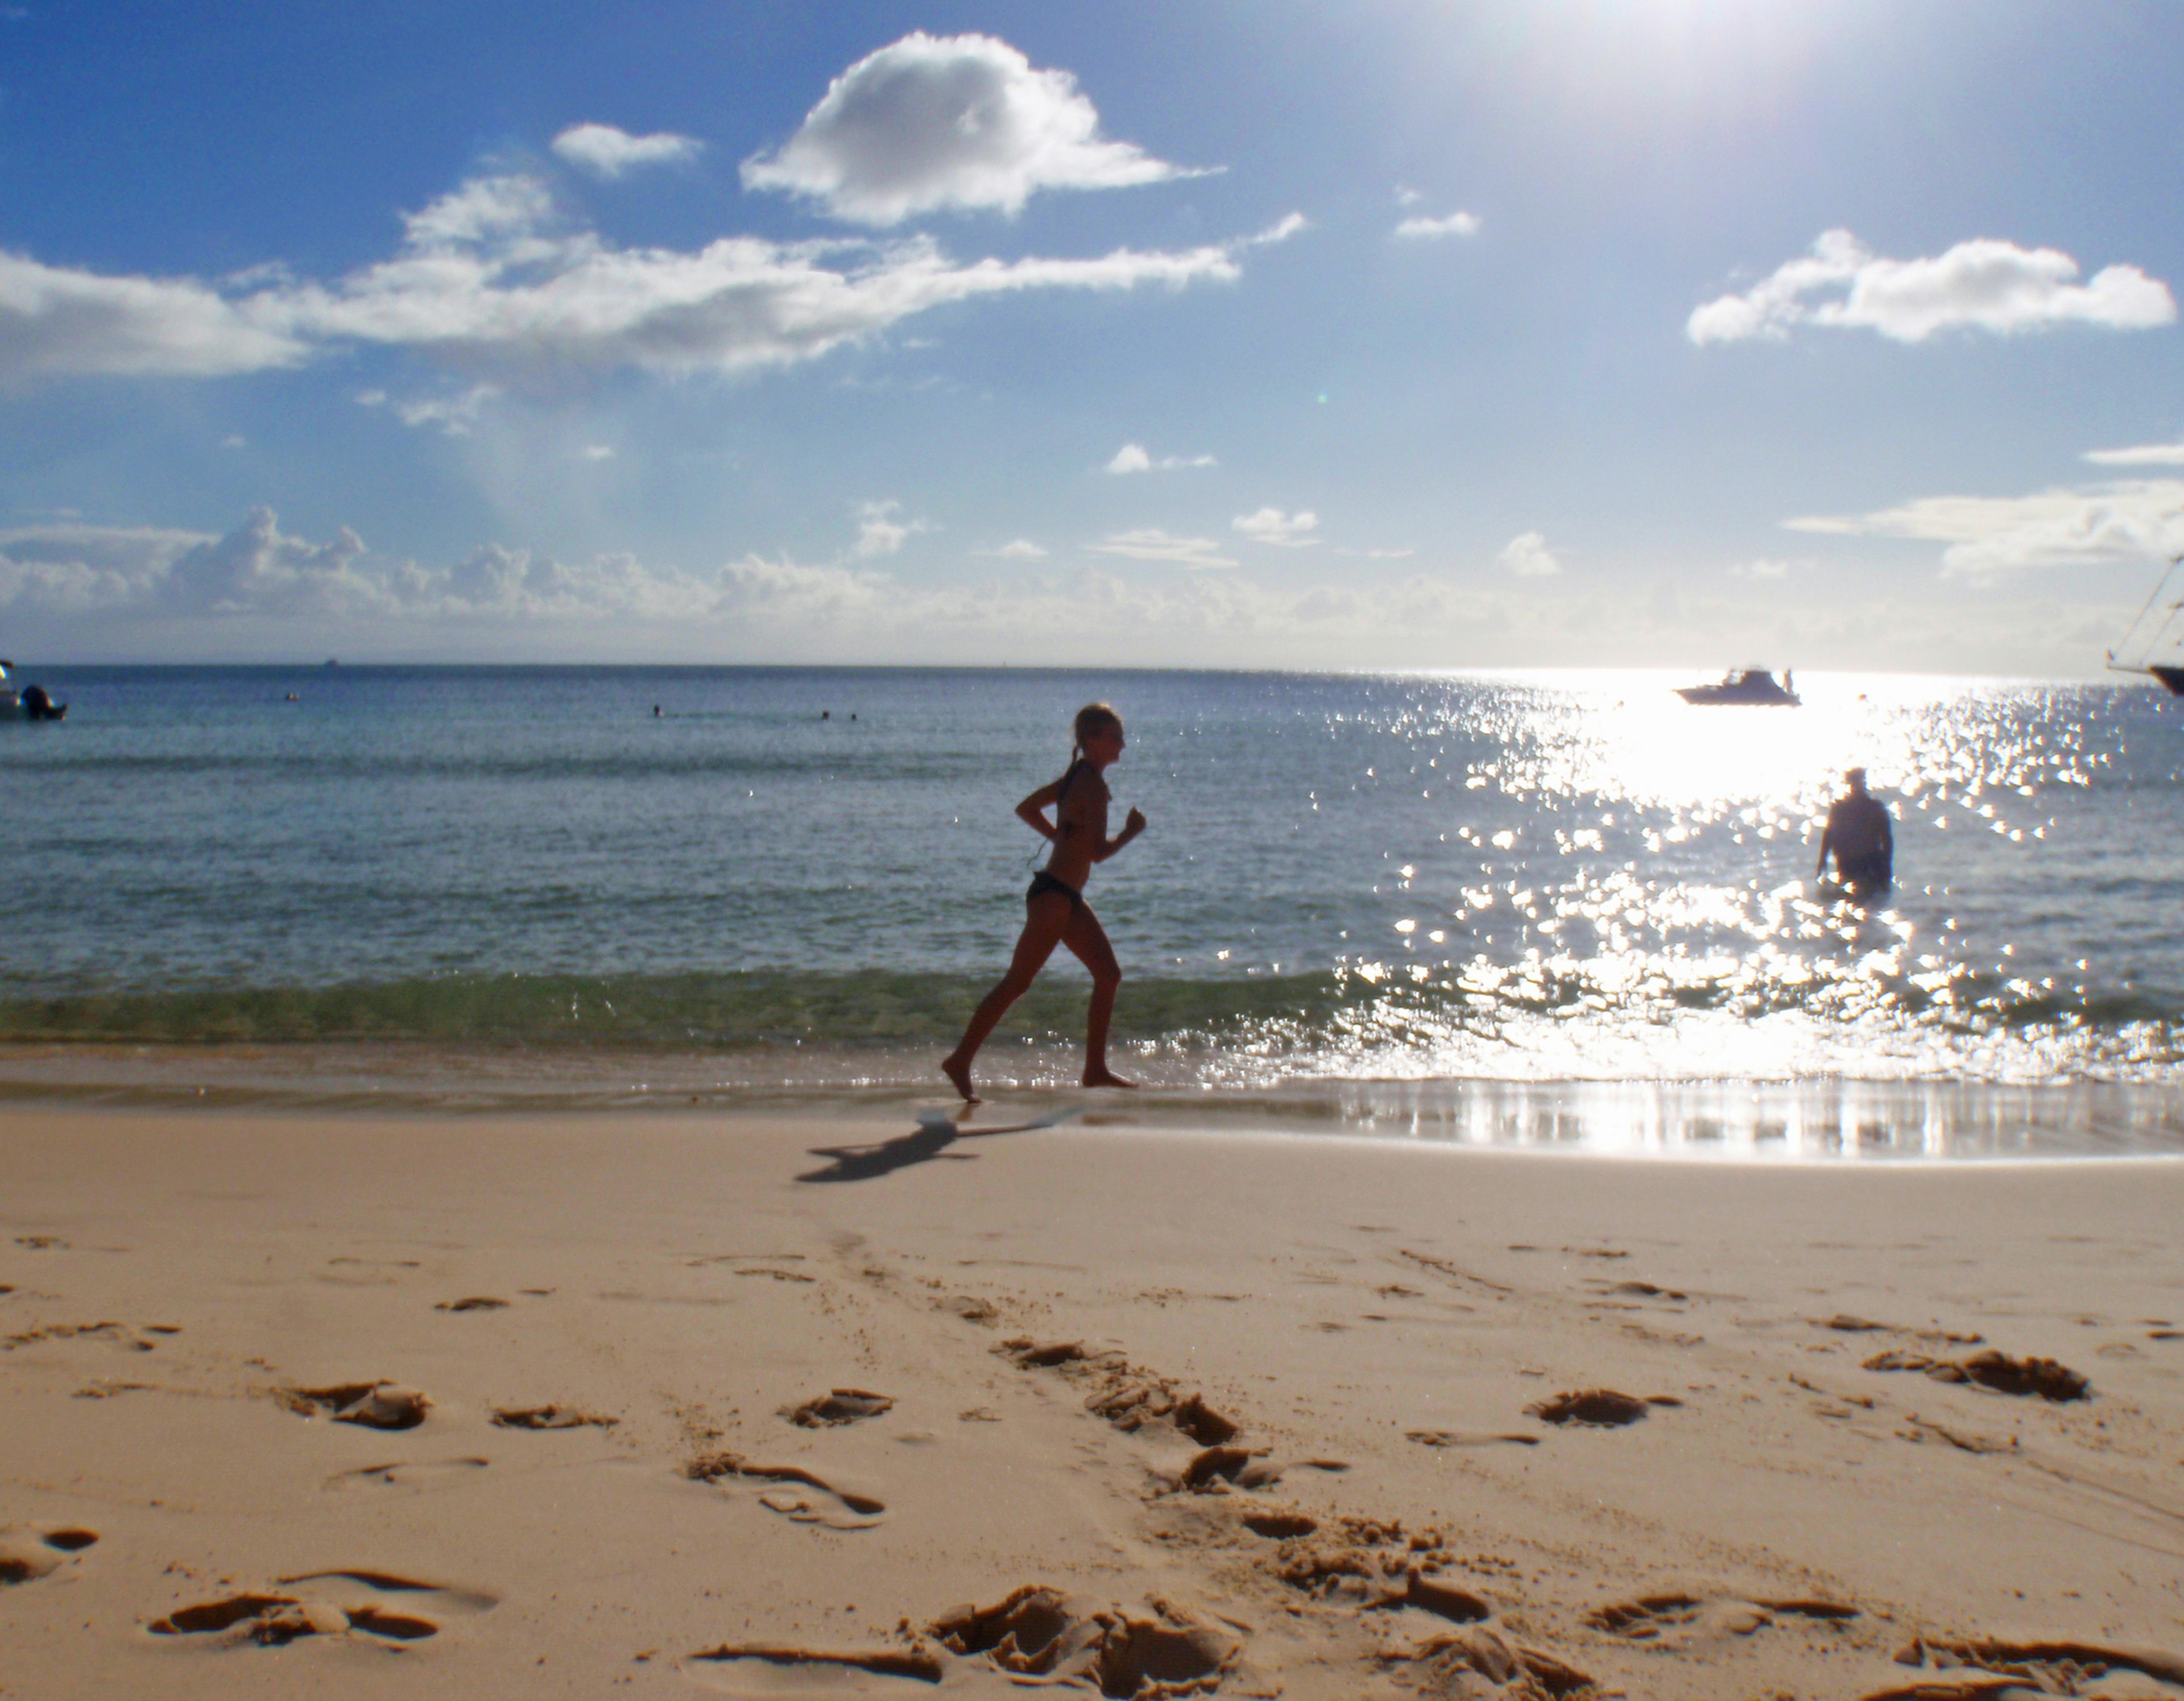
(1055, 910)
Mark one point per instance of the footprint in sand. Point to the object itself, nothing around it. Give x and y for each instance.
(1217, 1465)
(1440, 1438)
(828, 1505)
(750, 1671)
(841, 1406)
(1127, 1395)
(331, 1603)
(1996, 1371)
(27, 1554)
(116, 1334)
(476, 1303)
(444, 1473)
(1041, 1633)
(1999, 1668)
(1599, 1408)
(550, 1418)
(376, 1405)
(1375, 1567)
(1677, 1620)
(1478, 1660)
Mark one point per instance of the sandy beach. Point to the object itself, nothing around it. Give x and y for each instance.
(543, 1406)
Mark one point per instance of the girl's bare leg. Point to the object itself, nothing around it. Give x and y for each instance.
(1045, 920)
(1087, 941)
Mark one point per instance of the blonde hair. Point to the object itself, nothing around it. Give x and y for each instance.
(1094, 718)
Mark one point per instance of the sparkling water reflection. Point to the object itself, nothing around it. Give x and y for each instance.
(1412, 879)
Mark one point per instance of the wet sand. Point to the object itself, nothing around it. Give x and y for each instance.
(543, 1405)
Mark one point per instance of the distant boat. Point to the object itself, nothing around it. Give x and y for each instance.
(1754, 686)
(33, 705)
(2155, 644)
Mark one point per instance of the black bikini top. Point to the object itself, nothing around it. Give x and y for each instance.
(1062, 791)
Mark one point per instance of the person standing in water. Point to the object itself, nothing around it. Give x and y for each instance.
(1859, 834)
(1055, 910)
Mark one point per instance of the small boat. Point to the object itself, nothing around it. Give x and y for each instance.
(2154, 644)
(1746, 685)
(32, 705)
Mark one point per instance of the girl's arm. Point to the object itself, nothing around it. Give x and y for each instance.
(1133, 825)
(1031, 812)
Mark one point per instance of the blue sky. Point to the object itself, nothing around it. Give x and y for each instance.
(1674, 332)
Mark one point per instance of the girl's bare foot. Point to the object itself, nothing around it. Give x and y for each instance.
(1105, 1077)
(960, 1075)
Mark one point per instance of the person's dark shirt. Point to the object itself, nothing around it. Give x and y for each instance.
(1858, 831)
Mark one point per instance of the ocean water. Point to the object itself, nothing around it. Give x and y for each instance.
(1448, 895)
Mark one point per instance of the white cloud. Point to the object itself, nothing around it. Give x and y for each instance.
(508, 210)
(947, 122)
(1987, 535)
(1271, 526)
(1527, 556)
(1983, 285)
(453, 414)
(1153, 544)
(597, 451)
(880, 533)
(259, 593)
(1017, 550)
(258, 572)
(1408, 197)
(2146, 454)
(739, 303)
(487, 274)
(1132, 457)
(1282, 229)
(235, 441)
(607, 152)
(72, 568)
(1761, 569)
(55, 321)
(1455, 225)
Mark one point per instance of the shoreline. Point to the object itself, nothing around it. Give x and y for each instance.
(1788, 1517)
(1819, 1119)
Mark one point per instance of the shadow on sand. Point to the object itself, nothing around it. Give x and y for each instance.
(935, 1133)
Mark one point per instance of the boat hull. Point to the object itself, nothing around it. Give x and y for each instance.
(1714, 696)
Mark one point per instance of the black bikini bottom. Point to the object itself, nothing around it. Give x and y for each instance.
(1042, 883)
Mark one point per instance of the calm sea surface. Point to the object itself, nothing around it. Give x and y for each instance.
(1432, 892)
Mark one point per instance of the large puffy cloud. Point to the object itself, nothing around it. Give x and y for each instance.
(606, 151)
(2138, 519)
(1984, 285)
(258, 592)
(75, 569)
(947, 122)
(256, 569)
(489, 276)
(55, 321)
(259, 571)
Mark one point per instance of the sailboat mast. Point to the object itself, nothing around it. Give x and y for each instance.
(2174, 608)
